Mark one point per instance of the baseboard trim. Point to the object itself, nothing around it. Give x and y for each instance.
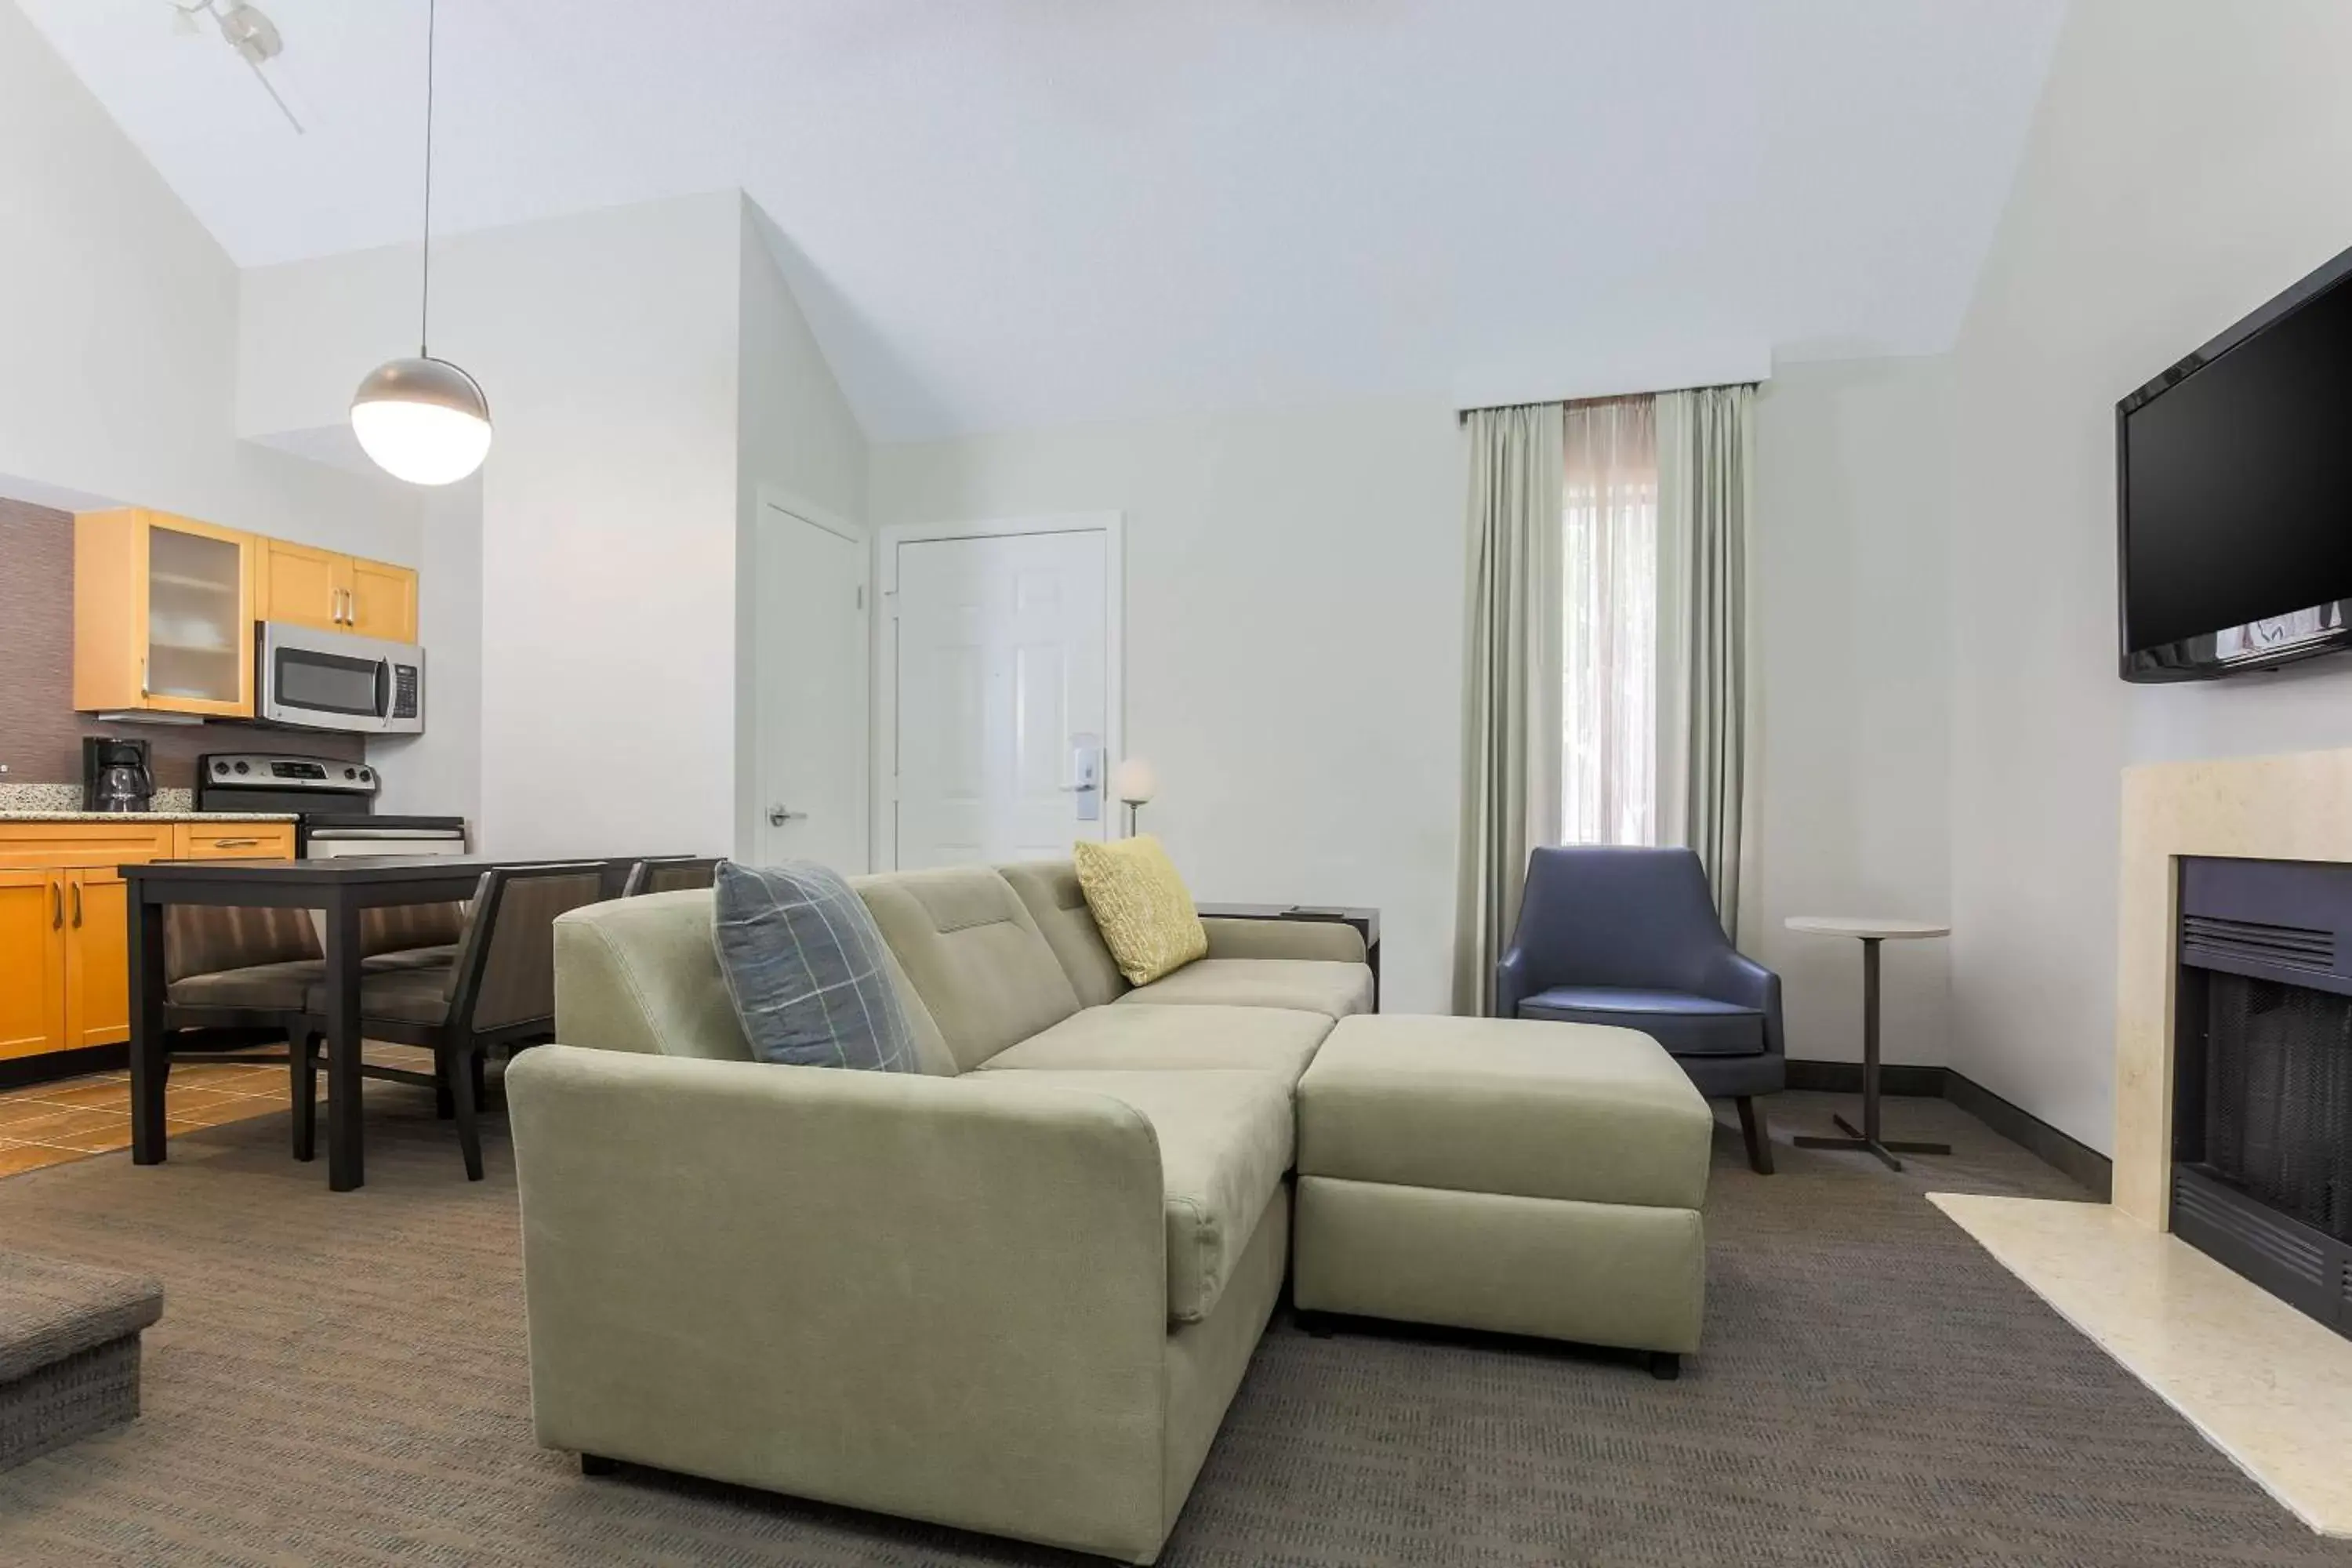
(2013, 1121)
(20, 1071)
(2017, 1124)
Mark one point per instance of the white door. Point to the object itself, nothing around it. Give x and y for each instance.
(1003, 699)
(810, 639)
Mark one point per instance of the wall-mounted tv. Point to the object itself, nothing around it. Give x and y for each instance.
(2234, 491)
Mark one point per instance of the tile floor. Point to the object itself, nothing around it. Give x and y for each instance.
(72, 1119)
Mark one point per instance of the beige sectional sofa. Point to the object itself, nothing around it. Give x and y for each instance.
(1017, 1291)
(1014, 1293)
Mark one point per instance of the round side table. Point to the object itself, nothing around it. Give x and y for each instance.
(1871, 933)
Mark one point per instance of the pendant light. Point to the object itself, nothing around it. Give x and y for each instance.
(423, 420)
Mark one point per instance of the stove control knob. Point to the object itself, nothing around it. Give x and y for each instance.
(220, 768)
(365, 776)
(349, 773)
(243, 768)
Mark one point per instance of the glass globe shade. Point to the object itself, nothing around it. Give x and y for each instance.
(422, 420)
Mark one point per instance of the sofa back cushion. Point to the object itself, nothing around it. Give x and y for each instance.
(806, 967)
(973, 953)
(642, 974)
(1055, 901)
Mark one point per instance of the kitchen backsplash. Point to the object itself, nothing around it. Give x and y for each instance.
(40, 734)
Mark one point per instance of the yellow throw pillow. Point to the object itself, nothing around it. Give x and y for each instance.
(1139, 902)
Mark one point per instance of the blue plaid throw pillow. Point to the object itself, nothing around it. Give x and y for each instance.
(803, 961)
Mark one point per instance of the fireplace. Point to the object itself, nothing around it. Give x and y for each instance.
(2261, 1130)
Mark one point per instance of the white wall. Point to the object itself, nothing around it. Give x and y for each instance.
(2187, 164)
(608, 345)
(1852, 606)
(118, 336)
(1294, 631)
(796, 441)
(439, 772)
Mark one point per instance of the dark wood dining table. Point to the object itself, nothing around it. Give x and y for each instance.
(338, 890)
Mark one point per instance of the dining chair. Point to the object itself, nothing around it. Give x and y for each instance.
(668, 874)
(497, 993)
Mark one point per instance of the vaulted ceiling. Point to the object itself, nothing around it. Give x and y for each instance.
(1014, 213)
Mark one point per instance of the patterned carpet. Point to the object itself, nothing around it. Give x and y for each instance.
(340, 1381)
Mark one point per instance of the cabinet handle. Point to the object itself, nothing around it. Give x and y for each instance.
(56, 906)
(350, 607)
(235, 843)
(76, 890)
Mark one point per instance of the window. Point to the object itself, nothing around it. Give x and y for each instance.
(1609, 640)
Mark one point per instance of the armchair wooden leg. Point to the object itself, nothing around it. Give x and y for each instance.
(303, 1053)
(1753, 1128)
(457, 1070)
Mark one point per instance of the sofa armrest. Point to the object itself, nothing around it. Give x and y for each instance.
(1333, 942)
(939, 1297)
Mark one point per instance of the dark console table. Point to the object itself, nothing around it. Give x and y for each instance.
(1367, 922)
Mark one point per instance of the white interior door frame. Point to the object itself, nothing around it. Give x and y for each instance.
(772, 499)
(1111, 525)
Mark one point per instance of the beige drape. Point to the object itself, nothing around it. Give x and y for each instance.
(1511, 715)
(1706, 718)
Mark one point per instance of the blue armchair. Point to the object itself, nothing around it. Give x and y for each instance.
(1629, 937)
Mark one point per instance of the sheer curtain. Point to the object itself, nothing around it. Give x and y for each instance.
(1610, 631)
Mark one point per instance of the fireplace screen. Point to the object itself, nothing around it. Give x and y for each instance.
(2277, 1113)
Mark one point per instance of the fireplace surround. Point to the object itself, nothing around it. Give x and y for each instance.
(2262, 1093)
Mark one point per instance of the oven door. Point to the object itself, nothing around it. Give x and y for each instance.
(326, 681)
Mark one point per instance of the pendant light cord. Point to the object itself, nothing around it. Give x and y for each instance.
(425, 288)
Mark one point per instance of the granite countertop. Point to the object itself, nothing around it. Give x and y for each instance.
(146, 816)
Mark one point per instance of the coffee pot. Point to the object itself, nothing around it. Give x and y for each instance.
(115, 775)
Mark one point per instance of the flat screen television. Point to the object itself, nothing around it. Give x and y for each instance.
(2233, 490)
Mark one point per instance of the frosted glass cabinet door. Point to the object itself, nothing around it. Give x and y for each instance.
(197, 639)
(163, 615)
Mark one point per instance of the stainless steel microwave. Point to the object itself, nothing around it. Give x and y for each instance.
(311, 679)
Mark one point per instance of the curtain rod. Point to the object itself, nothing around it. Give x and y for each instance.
(1462, 415)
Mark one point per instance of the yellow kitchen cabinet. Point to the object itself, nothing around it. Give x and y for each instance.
(32, 962)
(382, 602)
(335, 593)
(163, 610)
(300, 584)
(64, 971)
(233, 841)
(98, 956)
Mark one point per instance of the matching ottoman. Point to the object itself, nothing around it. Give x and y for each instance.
(1524, 1177)
(69, 1351)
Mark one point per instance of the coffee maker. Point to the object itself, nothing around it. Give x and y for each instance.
(115, 775)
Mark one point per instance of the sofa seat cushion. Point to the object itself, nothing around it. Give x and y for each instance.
(1307, 984)
(1225, 1140)
(1686, 1024)
(1505, 1106)
(1276, 1040)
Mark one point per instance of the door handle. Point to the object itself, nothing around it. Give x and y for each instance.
(779, 815)
(56, 906)
(77, 891)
